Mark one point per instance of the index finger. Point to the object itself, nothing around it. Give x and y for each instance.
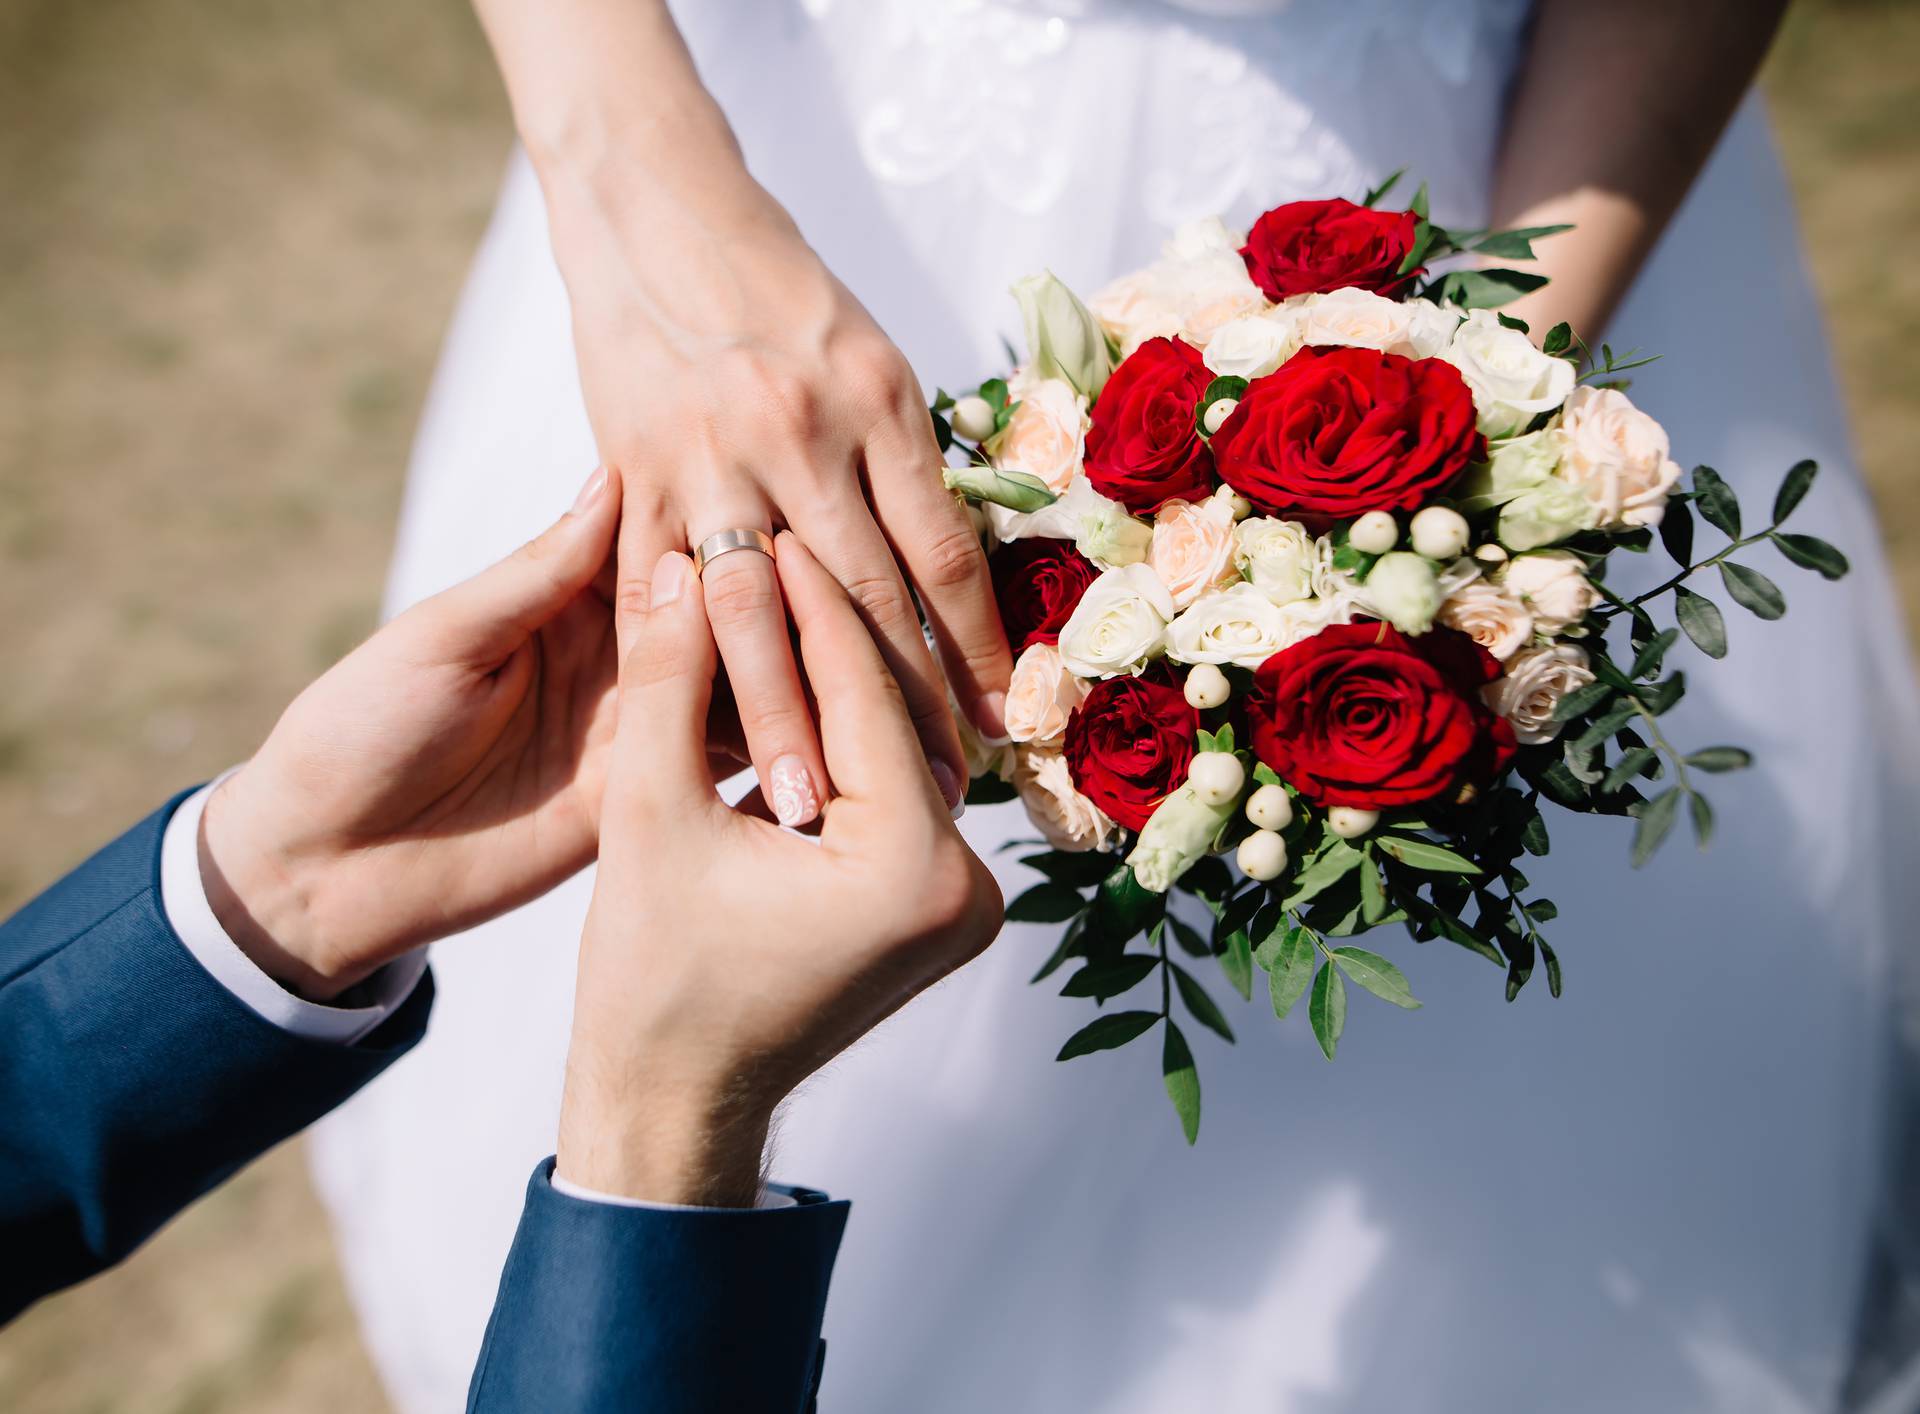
(872, 749)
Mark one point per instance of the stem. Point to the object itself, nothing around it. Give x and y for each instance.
(1660, 743)
(1166, 979)
(1683, 576)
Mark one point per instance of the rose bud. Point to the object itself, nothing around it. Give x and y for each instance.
(1182, 830)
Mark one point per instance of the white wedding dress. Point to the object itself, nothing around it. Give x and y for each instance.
(1675, 1189)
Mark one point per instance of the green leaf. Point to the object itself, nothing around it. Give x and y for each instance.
(996, 393)
(1581, 701)
(1122, 907)
(1106, 1032)
(1339, 860)
(1656, 820)
(1387, 184)
(1076, 871)
(1291, 970)
(1377, 975)
(1327, 1008)
(1553, 967)
(1516, 244)
(1486, 289)
(1793, 487)
(1717, 502)
(1812, 553)
(1237, 963)
(989, 790)
(1662, 696)
(1533, 835)
(1700, 617)
(1373, 894)
(1603, 728)
(1520, 957)
(1721, 758)
(1559, 339)
(1188, 937)
(1205, 1010)
(1676, 532)
(1226, 386)
(1628, 766)
(1182, 1080)
(1423, 854)
(1702, 818)
(1071, 943)
(1418, 206)
(1647, 664)
(1045, 903)
(1263, 774)
(1753, 591)
(1101, 980)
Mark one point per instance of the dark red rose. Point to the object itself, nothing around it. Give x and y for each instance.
(1362, 715)
(1129, 744)
(1310, 247)
(1333, 433)
(1037, 583)
(1143, 449)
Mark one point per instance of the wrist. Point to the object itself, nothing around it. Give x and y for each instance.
(265, 898)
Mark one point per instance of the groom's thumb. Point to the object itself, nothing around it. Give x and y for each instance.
(485, 619)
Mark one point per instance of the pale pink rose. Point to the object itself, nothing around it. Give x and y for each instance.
(1042, 695)
(1138, 307)
(1535, 681)
(1490, 616)
(1046, 435)
(1617, 456)
(1067, 818)
(1554, 587)
(1192, 549)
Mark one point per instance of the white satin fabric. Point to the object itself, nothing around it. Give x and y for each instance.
(1658, 1193)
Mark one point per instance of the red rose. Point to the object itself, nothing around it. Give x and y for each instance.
(1362, 715)
(1143, 449)
(1333, 433)
(1037, 583)
(1310, 247)
(1129, 744)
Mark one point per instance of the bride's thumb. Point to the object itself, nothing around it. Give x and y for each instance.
(485, 619)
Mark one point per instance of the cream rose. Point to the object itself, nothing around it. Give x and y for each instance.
(1137, 307)
(1490, 616)
(1617, 456)
(1357, 318)
(1119, 625)
(1213, 288)
(1192, 549)
(1554, 587)
(1251, 346)
(1535, 681)
(1239, 625)
(1047, 434)
(1042, 695)
(1278, 555)
(1512, 381)
(1067, 818)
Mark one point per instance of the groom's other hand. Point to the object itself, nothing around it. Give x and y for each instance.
(443, 772)
(725, 959)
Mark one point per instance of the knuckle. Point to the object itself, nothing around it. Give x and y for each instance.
(871, 363)
(632, 597)
(738, 594)
(882, 601)
(951, 558)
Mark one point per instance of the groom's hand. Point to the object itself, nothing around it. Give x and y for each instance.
(726, 959)
(448, 769)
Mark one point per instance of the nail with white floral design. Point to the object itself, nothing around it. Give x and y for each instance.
(795, 799)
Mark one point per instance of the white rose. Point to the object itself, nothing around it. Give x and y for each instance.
(1067, 818)
(1111, 536)
(1535, 681)
(1554, 587)
(1490, 616)
(1356, 318)
(1119, 624)
(1402, 588)
(1617, 456)
(1137, 307)
(1212, 288)
(1278, 555)
(1251, 346)
(1512, 381)
(1046, 436)
(1041, 695)
(1238, 625)
(982, 759)
(1059, 521)
(1206, 236)
(1192, 548)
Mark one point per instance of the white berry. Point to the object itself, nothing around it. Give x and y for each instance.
(1218, 411)
(1350, 822)
(1490, 554)
(973, 418)
(1270, 808)
(1242, 507)
(1374, 533)
(1207, 686)
(1438, 533)
(1216, 777)
(1262, 856)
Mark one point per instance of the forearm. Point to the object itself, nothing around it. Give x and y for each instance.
(1616, 110)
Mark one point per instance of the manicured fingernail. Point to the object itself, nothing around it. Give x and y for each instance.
(795, 801)
(590, 492)
(990, 718)
(950, 788)
(669, 579)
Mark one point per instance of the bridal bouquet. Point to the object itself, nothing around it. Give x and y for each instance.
(1302, 550)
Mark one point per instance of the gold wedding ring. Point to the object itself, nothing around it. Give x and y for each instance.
(726, 542)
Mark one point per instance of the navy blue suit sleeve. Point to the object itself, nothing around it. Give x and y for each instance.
(131, 1081)
(605, 1308)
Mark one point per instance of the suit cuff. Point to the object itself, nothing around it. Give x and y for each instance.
(183, 899)
(770, 1196)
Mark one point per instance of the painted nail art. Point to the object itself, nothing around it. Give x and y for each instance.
(795, 801)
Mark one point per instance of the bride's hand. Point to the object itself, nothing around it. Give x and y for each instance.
(734, 382)
(724, 959)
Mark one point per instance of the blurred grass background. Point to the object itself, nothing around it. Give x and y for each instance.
(231, 233)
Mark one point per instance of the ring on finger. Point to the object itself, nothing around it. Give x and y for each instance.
(725, 542)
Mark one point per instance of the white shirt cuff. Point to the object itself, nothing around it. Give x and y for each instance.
(766, 1198)
(183, 898)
